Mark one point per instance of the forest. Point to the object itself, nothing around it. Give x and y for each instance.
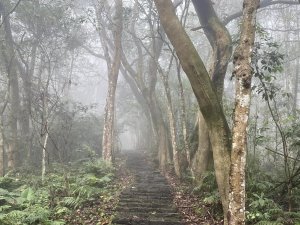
(149, 112)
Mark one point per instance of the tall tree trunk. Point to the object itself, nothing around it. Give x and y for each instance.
(44, 130)
(172, 124)
(147, 88)
(108, 130)
(26, 75)
(243, 75)
(220, 41)
(296, 81)
(45, 114)
(183, 118)
(14, 99)
(205, 93)
(1, 149)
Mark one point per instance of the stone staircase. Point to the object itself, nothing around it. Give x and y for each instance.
(148, 201)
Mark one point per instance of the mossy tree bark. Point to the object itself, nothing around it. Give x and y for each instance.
(220, 41)
(205, 93)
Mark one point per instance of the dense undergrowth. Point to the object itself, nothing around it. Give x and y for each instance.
(265, 201)
(80, 193)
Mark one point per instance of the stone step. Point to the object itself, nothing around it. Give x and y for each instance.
(150, 216)
(126, 221)
(138, 192)
(149, 201)
(145, 197)
(145, 204)
(146, 209)
(145, 201)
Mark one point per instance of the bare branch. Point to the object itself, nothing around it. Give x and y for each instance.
(263, 4)
(11, 11)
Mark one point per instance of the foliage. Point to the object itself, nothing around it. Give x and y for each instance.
(272, 176)
(209, 194)
(262, 208)
(31, 201)
(267, 62)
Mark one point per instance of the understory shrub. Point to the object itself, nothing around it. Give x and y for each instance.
(30, 200)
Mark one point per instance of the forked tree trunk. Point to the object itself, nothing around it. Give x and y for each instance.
(113, 71)
(243, 75)
(220, 41)
(205, 93)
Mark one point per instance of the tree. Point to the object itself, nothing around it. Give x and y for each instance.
(243, 75)
(210, 106)
(221, 44)
(14, 97)
(205, 93)
(113, 70)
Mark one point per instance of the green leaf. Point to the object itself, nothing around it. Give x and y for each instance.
(28, 194)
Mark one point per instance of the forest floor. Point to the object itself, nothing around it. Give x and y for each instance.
(93, 192)
(100, 211)
(193, 208)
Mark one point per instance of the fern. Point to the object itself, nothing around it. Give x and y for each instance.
(269, 223)
(14, 217)
(61, 210)
(36, 214)
(71, 202)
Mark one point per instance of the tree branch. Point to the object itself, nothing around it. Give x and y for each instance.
(11, 11)
(263, 4)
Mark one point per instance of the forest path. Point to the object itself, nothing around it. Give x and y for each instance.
(148, 201)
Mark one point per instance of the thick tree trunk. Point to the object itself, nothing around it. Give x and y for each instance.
(14, 99)
(205, 93)
(243, 75)
(220, 41)
(108, 130)
(203, 158)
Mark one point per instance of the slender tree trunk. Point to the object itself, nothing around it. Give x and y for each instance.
(1, 150)
(172, 124)
(108, 130)
(26, 113)
(45, 117)
(147, 88)
(44, 133)
(243, 75)
(296, 81)
(183, 118)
